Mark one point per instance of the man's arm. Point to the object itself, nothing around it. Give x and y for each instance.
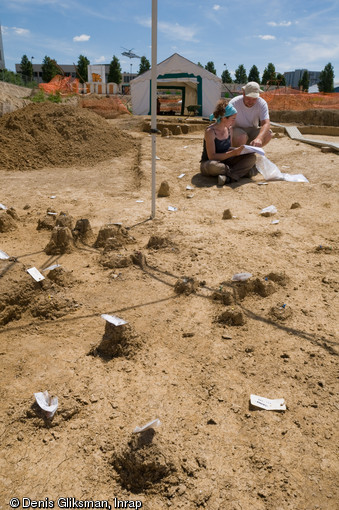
(265, 134)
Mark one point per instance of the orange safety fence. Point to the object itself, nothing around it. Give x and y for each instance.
(286, 98)
(62, 84)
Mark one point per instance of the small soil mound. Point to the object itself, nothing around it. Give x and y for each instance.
(117, 341)
(227, 215)
(7, 223)
(58, 135)
(257, 286)
(113, 237)
(61, 277)
(158, 242)
(64, 220)
(146, 464)
(20, 294)
(224, 296)
(280, 278)
(116, 260)
(48, 222)
(186, 286)
(232, 317)
(164, 189)
(61, 241)
(281, 312)
(83, 231)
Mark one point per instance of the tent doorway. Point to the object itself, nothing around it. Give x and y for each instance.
(170, 100)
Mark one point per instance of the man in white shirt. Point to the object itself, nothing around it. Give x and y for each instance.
(252, 124)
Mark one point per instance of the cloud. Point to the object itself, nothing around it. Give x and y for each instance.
(267, 37)
(100, 59)
(280, 24)
(21, 31)
(171, 30)
(177, 31)
(216, 7)
(81, 38)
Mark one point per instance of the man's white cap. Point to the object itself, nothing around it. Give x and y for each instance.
(252, 89)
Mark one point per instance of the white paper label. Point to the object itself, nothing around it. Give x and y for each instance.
(33, 271)
(271, 209)
(189, 187)
(50, 268)
(171, 208)
(150, 425)
(250, 148)
(241, 277)
(46, 403)
(3, 255)
(2, 206)
(181, 176)
(113, 319)
(277, 404)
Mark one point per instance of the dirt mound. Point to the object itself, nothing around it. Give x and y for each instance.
(107, 107)
(48, 134)
(117, 341)
(145, 464)
(20, 294)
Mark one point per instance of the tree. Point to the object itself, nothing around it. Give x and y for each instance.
(210, 67)
(48, 69)
(144, 65)
(114, 73)
(226, 77)
(200, 65)
(326, 79)
(254, 74)
(82, 68)
(281, 82)
(240, 75)
(269, 75)
(304, 81)
(26, 67)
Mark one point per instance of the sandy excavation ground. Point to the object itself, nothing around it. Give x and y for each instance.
(196, 345)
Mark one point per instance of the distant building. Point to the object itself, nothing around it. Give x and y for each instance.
(292, 78)
(69, 70)
(2, 54)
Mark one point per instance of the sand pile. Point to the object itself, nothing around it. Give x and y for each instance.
(45, 135)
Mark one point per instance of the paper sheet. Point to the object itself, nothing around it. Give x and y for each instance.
(268, 404)
(35, 274)
(50, 268)
(150, 425)
(46, 403)
(241, 277)
(113, 319)
(3, 255)
(250, 148)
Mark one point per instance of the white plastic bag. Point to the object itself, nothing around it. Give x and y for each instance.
(271, 172)
(268, 169)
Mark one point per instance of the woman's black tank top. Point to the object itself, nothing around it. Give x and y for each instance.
(220, 146)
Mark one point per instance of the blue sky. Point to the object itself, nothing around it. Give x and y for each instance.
(292, 34)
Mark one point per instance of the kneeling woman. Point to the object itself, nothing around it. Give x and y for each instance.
(218, 157)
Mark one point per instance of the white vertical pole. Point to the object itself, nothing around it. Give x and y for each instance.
(154, 98)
